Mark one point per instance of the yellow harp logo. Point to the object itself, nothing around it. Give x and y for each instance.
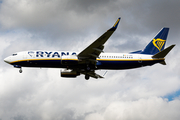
(158, 43)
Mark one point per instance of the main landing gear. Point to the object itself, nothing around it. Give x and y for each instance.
(88, 69)
(87, 77)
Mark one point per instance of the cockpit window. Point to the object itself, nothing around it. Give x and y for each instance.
(14, 54)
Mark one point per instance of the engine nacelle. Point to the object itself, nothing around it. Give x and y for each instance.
(69, 60)
(67, 73)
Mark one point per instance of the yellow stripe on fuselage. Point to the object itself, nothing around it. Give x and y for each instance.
(36, 59)
(70, 59)
(129, 59)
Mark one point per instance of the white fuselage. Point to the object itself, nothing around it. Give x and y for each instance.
(53, 59)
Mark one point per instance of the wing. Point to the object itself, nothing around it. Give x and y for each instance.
(93, 51)
(88, 56)
(92, 74)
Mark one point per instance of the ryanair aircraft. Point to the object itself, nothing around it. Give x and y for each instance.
(93, 58)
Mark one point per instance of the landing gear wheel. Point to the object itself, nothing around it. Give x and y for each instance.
(87, 77)
(20, 71)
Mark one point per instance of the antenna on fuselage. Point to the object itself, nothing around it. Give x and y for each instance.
(105, 73)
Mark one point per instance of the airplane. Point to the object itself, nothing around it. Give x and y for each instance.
(93, 57)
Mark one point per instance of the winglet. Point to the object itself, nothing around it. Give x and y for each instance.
(115, 25)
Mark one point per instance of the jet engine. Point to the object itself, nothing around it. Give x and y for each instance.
(69, 60)
(68, 73)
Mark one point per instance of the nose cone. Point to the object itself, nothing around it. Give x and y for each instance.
(7, 60)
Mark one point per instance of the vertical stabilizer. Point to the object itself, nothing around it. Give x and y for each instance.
(158, 42)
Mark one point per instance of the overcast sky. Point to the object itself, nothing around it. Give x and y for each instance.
(142, 94)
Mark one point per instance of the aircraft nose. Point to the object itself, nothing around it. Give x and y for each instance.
(7, 59)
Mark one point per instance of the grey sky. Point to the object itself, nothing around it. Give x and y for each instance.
(73, 25)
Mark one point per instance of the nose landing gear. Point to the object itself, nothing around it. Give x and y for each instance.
(20, 70)
(18, 66)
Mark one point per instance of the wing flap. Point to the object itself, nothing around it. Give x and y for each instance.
(93, 74)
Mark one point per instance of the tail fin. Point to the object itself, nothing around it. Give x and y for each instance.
(158, 43)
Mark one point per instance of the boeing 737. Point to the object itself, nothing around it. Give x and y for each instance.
(93, 58)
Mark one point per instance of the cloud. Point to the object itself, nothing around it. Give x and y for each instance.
(73, 25)
(150, 109)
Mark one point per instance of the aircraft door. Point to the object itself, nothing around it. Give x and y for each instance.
(24, 56)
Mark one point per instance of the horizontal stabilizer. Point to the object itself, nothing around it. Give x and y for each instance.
(163, 53)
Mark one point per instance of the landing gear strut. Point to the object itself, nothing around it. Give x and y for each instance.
(87, 77)
(88, 68)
